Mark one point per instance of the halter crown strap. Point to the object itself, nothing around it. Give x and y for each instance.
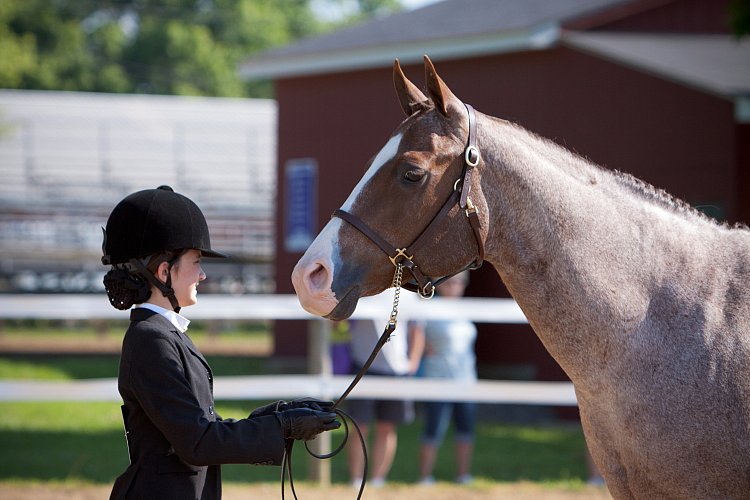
(471, 157)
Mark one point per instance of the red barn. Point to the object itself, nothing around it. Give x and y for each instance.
(656, 88)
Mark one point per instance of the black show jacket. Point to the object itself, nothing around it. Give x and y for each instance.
(176, 439)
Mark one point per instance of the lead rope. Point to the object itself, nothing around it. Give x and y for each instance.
(286, 461)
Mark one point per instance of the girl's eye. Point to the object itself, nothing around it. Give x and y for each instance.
(414, 175)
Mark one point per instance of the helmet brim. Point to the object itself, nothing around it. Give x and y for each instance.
(213, 254)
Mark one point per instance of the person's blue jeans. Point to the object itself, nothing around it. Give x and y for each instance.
(438, 416)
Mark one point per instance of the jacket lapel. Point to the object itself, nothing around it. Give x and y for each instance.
(143, 314)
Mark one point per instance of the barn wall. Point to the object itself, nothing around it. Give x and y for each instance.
(672, 136)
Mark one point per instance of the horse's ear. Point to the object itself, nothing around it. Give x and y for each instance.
(408, 93)
(438, 90)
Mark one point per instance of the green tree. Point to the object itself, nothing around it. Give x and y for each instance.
(187, 47)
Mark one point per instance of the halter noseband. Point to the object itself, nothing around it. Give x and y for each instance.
(425, 285)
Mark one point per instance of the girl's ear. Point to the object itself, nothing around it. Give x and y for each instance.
(162, 272)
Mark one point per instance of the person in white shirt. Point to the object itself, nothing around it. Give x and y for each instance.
(448, 353)
(399, 357)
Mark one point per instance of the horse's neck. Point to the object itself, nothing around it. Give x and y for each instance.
(576, 248)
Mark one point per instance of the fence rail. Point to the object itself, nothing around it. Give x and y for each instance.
(264, 306)
(320, 383)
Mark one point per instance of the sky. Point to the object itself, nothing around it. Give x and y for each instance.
(327, 11)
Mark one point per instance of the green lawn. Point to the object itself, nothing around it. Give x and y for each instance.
(74, 367)
(83, 442)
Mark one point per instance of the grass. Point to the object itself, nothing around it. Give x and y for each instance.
(83, 442)
(74, 367)
(49, 366)
(92, 333)
(90, 329)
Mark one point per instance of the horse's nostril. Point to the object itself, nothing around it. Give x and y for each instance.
(318, 276)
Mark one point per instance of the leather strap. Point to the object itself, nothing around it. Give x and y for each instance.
(165, 288)
(471, 156)
(364, 229)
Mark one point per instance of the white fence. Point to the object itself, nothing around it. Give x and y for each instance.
(321, 383)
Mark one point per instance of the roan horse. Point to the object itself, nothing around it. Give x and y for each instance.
(642, 300)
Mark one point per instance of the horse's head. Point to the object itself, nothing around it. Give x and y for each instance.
(413, 197)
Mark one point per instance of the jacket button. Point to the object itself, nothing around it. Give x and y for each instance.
(210, 410)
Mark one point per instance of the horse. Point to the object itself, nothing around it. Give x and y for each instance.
(641, 299)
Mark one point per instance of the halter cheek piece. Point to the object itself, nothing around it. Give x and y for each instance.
(425, 285)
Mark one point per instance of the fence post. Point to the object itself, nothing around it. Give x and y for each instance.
(319, 363)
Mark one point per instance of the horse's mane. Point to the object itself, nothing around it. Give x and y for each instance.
(640, 188)
(658, 196)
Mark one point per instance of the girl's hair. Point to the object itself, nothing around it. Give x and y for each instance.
(126, 286)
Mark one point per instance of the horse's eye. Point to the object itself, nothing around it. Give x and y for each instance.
(414, 175)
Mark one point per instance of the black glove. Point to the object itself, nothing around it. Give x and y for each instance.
(268, 409)
(312, 403)
(304, 423)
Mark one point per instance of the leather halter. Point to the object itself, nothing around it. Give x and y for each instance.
(425, 285)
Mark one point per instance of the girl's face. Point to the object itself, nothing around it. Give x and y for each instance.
(186, 275)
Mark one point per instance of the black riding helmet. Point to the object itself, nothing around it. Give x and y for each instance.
(153, 221)
(147, 223)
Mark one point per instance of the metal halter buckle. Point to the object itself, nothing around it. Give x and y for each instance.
(472, 156)
(400, 252)
(425, 295)
(470, 208)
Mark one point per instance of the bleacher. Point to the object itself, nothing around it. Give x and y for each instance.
(66, 158)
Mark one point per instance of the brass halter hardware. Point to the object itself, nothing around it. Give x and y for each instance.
(472, 156)
(400, 252)
(470, 208)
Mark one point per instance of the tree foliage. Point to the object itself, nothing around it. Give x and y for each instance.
(186, 47)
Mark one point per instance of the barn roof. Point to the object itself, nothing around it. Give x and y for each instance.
(446, 30)
(719, 64)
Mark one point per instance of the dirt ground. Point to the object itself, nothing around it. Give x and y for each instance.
(518, 491)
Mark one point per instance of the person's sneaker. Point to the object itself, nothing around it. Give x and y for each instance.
(356, 482)
(464, 479)
(377, 482)
(426, 481)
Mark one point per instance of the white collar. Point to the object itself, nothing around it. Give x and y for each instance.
(179, 321)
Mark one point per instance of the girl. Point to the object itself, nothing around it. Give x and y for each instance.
(154, 241)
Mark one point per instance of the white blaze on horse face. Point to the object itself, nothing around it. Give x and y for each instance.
(387, 153)
(313, 275)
